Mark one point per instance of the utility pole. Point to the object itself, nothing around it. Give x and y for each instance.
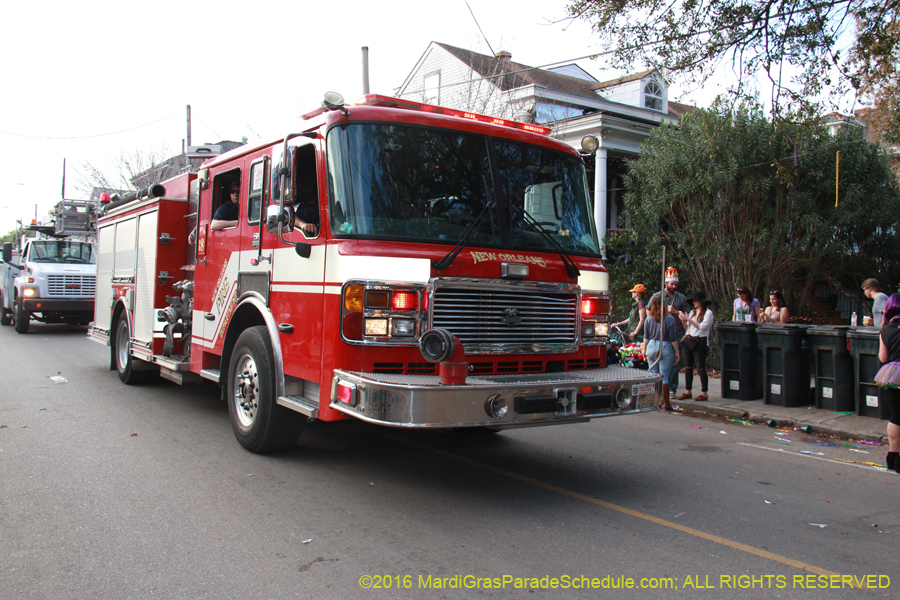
(188, 125)
(365, 69)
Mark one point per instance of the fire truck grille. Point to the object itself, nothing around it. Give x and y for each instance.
(69, 286)
(491, 321)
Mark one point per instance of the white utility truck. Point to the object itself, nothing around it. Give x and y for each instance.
(53, 278)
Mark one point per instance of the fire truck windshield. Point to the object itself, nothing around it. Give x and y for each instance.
(429, 185)
(56, 251)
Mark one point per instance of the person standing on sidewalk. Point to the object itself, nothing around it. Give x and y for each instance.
(872, 290)
(777, 311)
(698, 325)
(637, 316)
(746, 309)
(888, 378)
(677, 304)
(666, 350)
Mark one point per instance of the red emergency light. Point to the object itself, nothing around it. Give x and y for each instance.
(404, 301)
(387, 101)
(588, 307)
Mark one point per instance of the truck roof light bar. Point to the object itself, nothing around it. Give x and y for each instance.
(387, 101)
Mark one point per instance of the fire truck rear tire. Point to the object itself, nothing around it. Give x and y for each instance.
(259, 423)
(122, 357)
(23, 318)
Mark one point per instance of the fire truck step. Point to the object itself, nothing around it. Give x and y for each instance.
(179, 377)
(211, 374)
(302, 405)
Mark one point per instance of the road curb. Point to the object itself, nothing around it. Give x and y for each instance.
(710, 409)
(689, 407)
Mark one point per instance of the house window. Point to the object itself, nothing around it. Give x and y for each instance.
(653, 96)
(431, 88)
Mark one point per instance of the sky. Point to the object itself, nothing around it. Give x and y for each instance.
(90, 81)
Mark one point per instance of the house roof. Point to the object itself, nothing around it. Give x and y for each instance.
(676, 109)
(620, 80)
(509, 75)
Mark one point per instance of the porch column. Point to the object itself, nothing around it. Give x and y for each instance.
(600, 198)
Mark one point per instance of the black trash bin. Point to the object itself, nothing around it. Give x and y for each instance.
(740, 360)
(785, 363)
(870, 400)
(833, 367)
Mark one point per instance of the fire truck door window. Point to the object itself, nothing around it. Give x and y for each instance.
(193, 213)
(226, 203)
(257, 179)
(306, 191)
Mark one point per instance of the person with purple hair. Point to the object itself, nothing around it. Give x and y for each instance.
(889, 353)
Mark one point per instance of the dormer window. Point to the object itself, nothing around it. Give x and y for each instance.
(653, 96)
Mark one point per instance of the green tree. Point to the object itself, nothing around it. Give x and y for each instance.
(740, 200)
(692, 38)
(12, 235)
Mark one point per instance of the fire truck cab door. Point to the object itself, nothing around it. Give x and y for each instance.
(298, 283)
(218, 254)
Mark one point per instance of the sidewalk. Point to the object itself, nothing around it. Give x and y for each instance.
(822, 421)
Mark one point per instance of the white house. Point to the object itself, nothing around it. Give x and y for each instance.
(620, 113)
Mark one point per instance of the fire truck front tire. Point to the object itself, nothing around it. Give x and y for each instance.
(23, 318)
(259, 423)
(122, 357)
(5, 315)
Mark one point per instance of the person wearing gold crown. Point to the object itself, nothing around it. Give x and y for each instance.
(677, 303)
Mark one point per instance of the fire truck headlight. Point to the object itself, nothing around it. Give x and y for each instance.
(376, 327)
(496, 406)
(623, 397)
(28, 292)
(377, 299)
(403, 327)
(587, 330)
(601, 329)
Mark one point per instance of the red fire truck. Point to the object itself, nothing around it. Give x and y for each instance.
(400, 263)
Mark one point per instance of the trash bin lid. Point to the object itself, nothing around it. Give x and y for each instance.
(781, 329)
(737, 324)
(864, 332)
(828, 330)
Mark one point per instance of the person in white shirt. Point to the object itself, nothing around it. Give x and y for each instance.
(698, 324)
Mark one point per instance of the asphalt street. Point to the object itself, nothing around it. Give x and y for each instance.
(111, 491)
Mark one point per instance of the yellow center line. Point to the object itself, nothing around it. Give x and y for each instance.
(633, 513)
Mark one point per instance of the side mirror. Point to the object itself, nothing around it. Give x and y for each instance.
(303, 250)
(274, 216)
(7, 252)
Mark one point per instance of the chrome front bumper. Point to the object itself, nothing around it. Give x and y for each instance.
(419, 401)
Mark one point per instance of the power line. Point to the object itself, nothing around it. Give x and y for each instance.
(477, 24)
(83, 137)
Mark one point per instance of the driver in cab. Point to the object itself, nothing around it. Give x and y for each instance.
(228, 212)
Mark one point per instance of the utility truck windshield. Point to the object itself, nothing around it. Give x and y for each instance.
(55, 251)
(420, 184)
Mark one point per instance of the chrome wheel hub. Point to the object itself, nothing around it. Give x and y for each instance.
(246, 390)
(122, 348)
